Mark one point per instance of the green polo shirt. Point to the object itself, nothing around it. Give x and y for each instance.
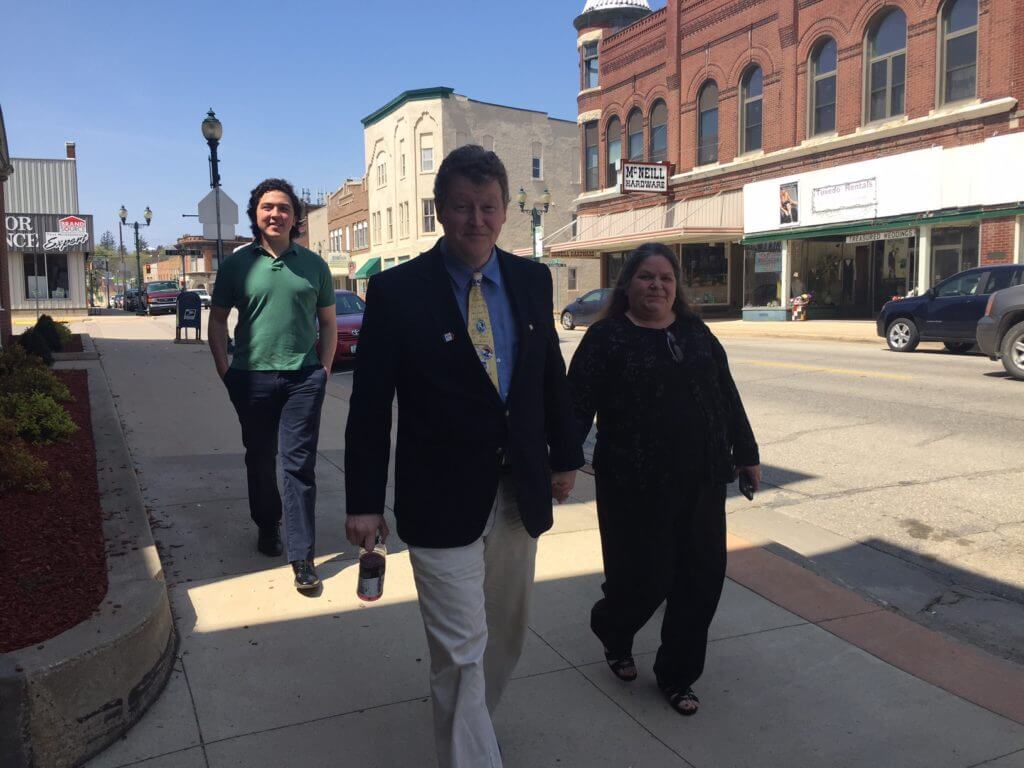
(277, 301)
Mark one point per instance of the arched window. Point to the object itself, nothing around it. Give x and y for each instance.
(590, 156)
(707, 124)
(751, 99)
(959, 50)
(887, 65)
(659, 132)
(635, 136)
(823, 86)
(614, 138)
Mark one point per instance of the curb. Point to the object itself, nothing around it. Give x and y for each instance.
(88, 352)
(970, 673)
(76, 693)
(801, 337)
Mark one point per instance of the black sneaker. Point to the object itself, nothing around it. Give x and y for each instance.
(305, 576)
(269, 542)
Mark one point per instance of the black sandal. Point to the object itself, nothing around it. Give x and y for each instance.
(685, 702)
(623, 667)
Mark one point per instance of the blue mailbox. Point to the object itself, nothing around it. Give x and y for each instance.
(190, 315)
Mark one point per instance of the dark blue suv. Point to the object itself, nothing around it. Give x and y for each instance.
(949, 312)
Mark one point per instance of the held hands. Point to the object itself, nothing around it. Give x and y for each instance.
(361, 530)
(753, 474)
(562, 484)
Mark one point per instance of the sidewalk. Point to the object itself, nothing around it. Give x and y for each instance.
(811, 330)
(801, 673)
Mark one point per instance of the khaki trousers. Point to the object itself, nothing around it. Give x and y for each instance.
(475, 605)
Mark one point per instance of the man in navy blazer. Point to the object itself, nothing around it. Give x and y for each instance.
(464, 336)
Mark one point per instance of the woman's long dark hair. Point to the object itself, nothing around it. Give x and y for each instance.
(619, 304)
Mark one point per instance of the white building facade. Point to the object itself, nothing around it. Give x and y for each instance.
(405, 142)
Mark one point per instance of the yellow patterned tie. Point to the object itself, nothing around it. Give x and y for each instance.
(479, 321)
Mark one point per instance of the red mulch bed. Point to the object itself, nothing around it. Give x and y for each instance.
(75, 345)
(53, 570)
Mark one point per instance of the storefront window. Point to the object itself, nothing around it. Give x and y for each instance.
(613, 264)
(762, 275)
(954, 249)
(706, 274)
(46, 276)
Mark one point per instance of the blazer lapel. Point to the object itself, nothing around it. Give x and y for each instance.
(449, 320)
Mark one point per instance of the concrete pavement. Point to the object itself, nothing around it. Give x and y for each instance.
(801, 672)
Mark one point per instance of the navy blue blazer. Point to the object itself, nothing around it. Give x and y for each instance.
(452, 425)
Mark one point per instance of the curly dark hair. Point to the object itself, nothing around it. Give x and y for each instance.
(471, 162)
(275, 185)
(619, 304)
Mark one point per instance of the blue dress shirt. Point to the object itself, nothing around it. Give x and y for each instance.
(503, 324)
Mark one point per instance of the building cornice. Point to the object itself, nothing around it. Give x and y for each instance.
(419, 94)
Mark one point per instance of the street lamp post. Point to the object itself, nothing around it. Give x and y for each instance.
(212, 132)
(148, 216)
(536, 221)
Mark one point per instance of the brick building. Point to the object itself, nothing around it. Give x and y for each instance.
(853, 150)
(201, 264)
(348, 234)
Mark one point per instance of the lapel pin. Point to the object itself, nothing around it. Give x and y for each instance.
(449, 337)
(530, 326)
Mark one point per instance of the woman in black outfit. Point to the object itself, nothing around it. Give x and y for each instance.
(671, 434)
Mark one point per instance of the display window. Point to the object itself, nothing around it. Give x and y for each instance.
(705, 270)
(46, 276)
(762, 275)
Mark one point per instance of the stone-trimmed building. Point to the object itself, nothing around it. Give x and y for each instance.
(852, 150)
(405, 141)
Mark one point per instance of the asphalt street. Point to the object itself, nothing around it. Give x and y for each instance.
(898, 475)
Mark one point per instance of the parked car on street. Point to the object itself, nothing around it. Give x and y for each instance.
(118, 300)
(204, 296)
(131, 300)
(949, 312)
(586, 309)
(349, 310)
(1000, 332)
(160, 297)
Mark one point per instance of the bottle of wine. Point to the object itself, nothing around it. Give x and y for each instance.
(370, 586)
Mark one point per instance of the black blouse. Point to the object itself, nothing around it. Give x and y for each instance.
(665, 409)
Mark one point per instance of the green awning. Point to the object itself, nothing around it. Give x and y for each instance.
(370, 268)
(879, 225)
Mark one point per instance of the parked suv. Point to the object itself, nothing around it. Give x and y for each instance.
(949, 312)
(1000, 332)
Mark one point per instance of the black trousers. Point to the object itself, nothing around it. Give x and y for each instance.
(281, 408)
(663, 546)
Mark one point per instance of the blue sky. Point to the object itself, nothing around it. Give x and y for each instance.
(131, 82)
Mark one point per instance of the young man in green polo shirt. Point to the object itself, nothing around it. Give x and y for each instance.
(276, 380)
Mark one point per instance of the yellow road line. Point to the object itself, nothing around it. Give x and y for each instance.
(821, 369)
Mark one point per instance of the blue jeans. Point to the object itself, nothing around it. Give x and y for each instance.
(281, 408)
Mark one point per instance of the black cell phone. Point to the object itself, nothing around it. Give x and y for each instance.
(747, 487)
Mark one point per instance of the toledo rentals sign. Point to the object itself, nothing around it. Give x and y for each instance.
(48, 233)
(646, 177)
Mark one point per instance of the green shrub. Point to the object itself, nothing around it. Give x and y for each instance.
(14, 357)
(47, 328)
(65, 334)
(19, 469)
(36, 345)
(33, 378)
(37, 418)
